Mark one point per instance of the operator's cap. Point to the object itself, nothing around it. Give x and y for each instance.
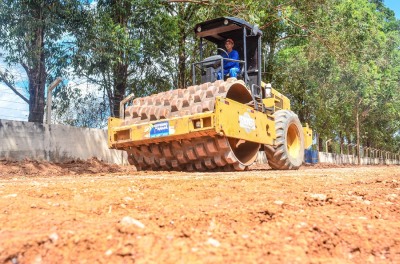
(230, 40)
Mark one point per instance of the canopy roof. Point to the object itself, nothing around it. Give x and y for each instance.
(219, 29)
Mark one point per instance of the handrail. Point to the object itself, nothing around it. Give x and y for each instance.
(194, 65)
(122, 105)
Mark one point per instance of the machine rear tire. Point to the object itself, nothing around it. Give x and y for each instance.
(288, 151)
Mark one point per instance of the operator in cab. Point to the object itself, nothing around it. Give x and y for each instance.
(231, 68)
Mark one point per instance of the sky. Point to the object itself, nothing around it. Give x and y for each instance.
(394, 5)
(14, 108)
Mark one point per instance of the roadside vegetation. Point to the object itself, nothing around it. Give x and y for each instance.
(337, 60)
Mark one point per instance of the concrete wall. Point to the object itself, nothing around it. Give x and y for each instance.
(55, 143)
(59, 143)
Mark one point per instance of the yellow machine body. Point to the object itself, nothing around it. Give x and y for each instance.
(228, 135)
(230, 119)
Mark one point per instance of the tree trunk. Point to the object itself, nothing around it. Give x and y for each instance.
(182, 64)
(341, 142)
(269, 71)
(320, 144)
(120, 72)
(37, 80)
(37, 75)
(358, 138)
(121, 13)
(182, 52)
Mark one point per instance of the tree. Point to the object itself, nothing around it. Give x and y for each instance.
(368, 74)
(124, 48)
(80, 108)
(340, 68)
(31, 34)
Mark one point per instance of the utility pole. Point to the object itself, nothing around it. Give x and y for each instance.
(49, 102)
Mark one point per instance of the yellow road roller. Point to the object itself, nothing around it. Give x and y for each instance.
(220, 122)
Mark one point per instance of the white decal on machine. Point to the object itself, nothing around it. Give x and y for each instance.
(246, 122)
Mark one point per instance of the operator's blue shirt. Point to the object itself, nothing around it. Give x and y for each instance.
(234, 55)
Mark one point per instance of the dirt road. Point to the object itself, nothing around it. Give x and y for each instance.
(92, 213)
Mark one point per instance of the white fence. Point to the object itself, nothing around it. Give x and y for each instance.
(333, 158)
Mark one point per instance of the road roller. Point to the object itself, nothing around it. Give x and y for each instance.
(220, 122)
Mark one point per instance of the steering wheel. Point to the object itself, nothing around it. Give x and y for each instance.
(227, 55)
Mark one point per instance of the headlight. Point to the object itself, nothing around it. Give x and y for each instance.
(226, 22)
(198, 29)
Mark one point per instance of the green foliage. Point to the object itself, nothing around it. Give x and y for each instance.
(81, 109)
(31, 34)
(345, 70)
(125, 47)
(337, 60)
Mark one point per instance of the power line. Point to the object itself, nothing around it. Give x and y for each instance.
(8, 93)
(8, 89)
(12, 102)
(19, 109)
(18, 117)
